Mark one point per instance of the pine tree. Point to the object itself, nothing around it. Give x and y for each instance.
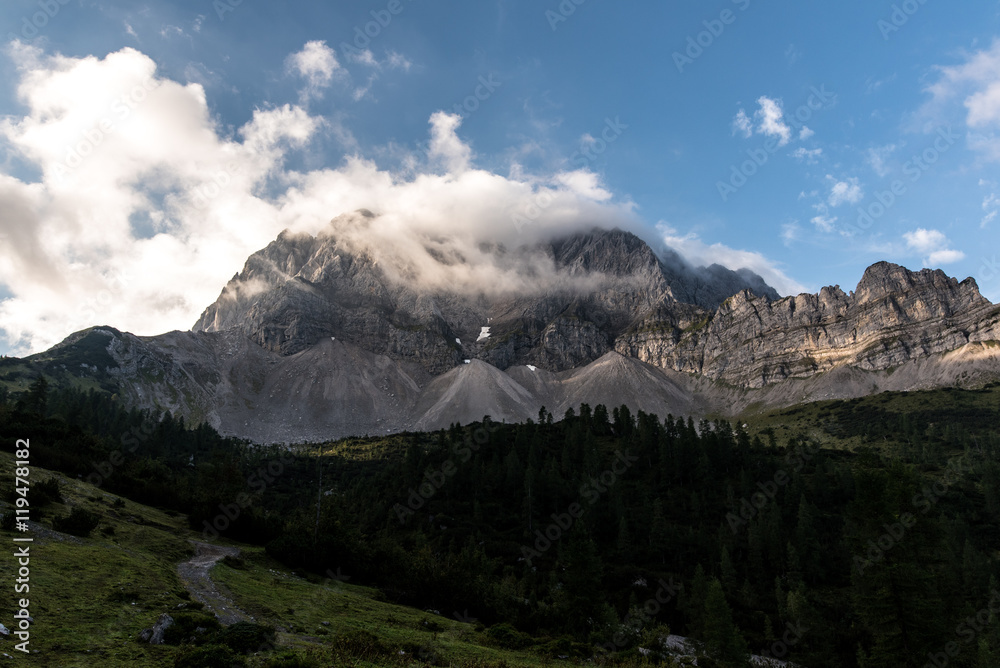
(624, 543)
(727, 573)
(722, 637)
(36, 399)
(659, 533)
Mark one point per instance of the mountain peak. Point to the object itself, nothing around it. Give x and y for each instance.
(884, 279)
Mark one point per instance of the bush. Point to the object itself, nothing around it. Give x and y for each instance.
(361, 645)
(124, 596)
(430, 625)
(426, 653)
(44, 493)
(186, 625)
(291, 661)
(507, 637)
(79, 522)
(565, 647)
(209, 656)
(235, 562)
(246, 637)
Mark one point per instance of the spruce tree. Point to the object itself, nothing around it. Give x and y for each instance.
(722, 637)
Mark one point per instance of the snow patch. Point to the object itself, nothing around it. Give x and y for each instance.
(484, 333)
(458, 341)
(468, 361)
(533, 368)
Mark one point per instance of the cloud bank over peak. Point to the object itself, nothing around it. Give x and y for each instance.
(131, 207)
(128, 203)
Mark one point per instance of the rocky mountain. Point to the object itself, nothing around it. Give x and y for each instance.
(302, 289)
(894, 316)
(315, 339)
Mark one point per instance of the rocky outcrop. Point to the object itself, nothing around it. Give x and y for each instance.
(154, 635)
(893, 316)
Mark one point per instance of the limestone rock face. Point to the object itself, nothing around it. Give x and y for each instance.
(893, 316)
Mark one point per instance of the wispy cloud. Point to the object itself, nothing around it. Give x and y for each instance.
(808, 156)
(848, 191)
(976, 83)
(696, 251)
(934, 245)
(877, 157)
(768, 120)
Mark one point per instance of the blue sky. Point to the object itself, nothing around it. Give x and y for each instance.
(742, 132)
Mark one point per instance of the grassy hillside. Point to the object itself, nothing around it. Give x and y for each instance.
(890, 421)
(92, 597)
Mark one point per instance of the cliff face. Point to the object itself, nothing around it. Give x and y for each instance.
(300, 290)
(316, 340)
(893, 316)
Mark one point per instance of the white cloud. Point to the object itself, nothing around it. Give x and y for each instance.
(925, 241)
(808, 156)
(698, 252)
(445, 143)
(317, 64)
(946, 256)
(977, 83)
(770, 120)
(845, 192)
(584, 183)
(743, 125)
(790, 233)
(934, 245)
(991, 203)
(398, 61)
(144, 206)
(825, 223)
(877, 157)
(392, 60)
